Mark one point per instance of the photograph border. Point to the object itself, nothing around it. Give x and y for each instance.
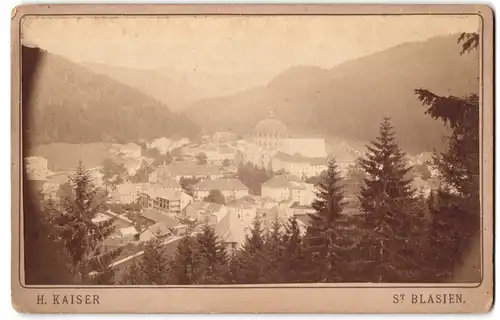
(102, 10)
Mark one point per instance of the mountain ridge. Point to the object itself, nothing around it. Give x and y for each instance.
(351, 99)
(69, 103)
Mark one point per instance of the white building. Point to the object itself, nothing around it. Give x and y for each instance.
(270, 134)
(127, 192)
(298, 165)
(205, 212)
(219, 155)
(164, 199)
(187, 170)
(289, 188)
(232, 189)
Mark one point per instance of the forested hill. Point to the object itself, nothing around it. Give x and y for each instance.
(351, 99)
(65, 102)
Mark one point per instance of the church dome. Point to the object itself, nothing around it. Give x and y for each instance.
(270, 125)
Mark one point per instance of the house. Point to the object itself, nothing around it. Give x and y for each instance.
(188, 170)
(298, 165)
(287, 187)
(206, 212)
(248, 208)
(36, 168)
(128, 232)
(278, 187)
(232, 189)
(166, 220)
(127, 192)
(219, 155)
(157, 230)
(245, 210)
(131, 150)
(164, 199)
(231, 232)
(302, 193)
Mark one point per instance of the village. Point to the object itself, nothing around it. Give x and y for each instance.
(168, 189)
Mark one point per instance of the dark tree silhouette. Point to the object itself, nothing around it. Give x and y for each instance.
(396, 227)
(456, 207)
(215, 196)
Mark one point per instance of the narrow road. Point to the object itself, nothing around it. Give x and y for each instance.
(140, 253)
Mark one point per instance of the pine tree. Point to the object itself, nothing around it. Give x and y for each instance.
(274, 249)
(81, 236)
(294, 261)
(212, 256)
(456, 208)
(391, 216)
(328, 207)
(186, 262)
(133, 275)
(154, 266)
(250, 265)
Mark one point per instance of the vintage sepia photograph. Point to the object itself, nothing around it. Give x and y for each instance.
(235, 151)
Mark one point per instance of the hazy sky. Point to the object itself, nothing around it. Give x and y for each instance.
(225, 44)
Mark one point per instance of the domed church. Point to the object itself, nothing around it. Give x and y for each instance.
(271, 134)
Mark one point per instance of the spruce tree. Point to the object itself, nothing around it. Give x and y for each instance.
(274, 250)
(391, 215)
(212, 256)
(186, 262)
(456, 207)
(294, 261)
(133, 275)
(81, 236)
(250, 265)
(154, 266)
(322, 234)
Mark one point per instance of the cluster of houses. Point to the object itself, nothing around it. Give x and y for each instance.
(168, 208)
(171, 209)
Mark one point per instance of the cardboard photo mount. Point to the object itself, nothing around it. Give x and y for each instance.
(289, 298)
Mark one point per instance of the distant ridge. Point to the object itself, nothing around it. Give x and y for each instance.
(350, 100)
(68, 103)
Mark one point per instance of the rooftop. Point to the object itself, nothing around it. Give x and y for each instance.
(282, 181)
(158, 191)
(204, 205)
(270, 125)
(160, 217)
(188, 169)
(298, 158)
(221, 184)
(230, 229)
(159, 229)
